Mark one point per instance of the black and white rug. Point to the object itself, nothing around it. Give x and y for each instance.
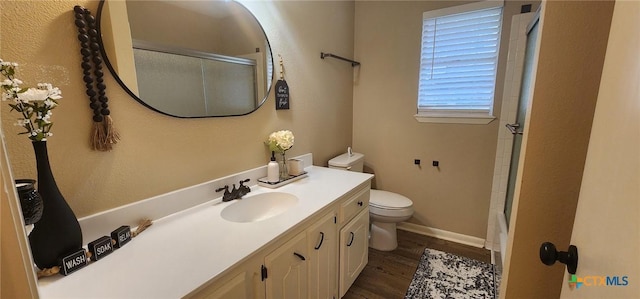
(445, 275)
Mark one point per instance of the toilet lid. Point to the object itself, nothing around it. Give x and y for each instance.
(389, 200)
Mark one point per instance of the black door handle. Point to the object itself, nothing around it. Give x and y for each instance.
(300, 256)
(353, 236)
(549, 255)
(321, 240)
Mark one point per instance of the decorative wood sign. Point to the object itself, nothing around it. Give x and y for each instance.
(100, 248)
(122, 236)
(282, 90)
(73, 262)
(282, 95)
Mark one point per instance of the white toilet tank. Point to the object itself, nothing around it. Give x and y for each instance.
(353, 162)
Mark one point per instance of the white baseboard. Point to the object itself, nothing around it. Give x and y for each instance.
(442, 234)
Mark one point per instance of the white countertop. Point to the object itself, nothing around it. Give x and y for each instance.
(182, 251)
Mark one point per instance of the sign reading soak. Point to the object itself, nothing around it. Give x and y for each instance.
(100, 248)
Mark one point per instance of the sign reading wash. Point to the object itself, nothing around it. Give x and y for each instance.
(598, 281)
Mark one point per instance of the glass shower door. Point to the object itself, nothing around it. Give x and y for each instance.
(518, 127)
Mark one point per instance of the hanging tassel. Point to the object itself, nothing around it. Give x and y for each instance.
(144, 224)
(98, 136)
(111, 134)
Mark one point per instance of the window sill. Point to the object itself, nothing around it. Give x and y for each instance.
(455, 118)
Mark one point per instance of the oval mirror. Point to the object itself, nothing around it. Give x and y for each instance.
(187, 58)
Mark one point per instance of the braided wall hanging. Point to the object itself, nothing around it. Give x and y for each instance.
(103, 134)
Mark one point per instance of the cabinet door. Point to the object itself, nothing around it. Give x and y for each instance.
(322, 243)
(244, 282)
(287, 267)
(354, 249)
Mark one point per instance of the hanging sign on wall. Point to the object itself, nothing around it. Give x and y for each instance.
(282, 90)
(282, 95)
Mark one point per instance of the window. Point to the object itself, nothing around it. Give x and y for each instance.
(458, 63)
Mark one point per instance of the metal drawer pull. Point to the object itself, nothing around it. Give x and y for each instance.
(300, 256)
(321, 240)
(353, 236)
(360, 203)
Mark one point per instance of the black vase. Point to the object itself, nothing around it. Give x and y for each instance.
(30, 201)
(58, 232)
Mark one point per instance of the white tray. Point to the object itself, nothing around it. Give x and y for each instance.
(292, 178)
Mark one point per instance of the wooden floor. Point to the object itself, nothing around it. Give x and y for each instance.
(388, 274)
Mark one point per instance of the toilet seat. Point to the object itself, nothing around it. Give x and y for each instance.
(389, 204)
(389, 200)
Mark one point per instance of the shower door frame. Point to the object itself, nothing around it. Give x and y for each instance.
(497, 226)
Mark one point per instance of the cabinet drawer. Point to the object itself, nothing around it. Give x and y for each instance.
(353, 205)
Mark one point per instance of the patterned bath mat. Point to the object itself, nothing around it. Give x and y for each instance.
(444, 275)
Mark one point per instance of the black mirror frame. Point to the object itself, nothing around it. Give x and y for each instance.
(139, 100)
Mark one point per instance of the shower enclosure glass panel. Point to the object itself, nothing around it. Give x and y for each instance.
(215, 86)
(523, 103)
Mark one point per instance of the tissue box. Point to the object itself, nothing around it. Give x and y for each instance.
(295, 167)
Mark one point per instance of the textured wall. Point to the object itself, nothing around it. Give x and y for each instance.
(157, 153)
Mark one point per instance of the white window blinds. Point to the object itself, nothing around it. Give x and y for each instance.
(459, 58)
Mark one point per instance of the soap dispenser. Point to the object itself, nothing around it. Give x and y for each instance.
(273, 170)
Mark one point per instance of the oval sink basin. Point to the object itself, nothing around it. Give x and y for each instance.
(259, 207)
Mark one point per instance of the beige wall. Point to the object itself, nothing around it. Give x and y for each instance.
(168, 24)
(158, 154)
(454, 197)
(177, 23)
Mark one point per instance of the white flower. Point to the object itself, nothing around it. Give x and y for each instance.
(33, 94)
(49, 103)
(280, 141)
(7, 63)
(34, 104)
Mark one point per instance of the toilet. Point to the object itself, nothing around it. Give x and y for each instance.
(385, 208)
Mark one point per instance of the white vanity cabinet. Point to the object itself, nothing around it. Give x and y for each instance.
(320, 258)
(313, 248)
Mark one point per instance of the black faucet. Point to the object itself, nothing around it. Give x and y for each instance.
(243, 190)
(234, 193)
(228, 196)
